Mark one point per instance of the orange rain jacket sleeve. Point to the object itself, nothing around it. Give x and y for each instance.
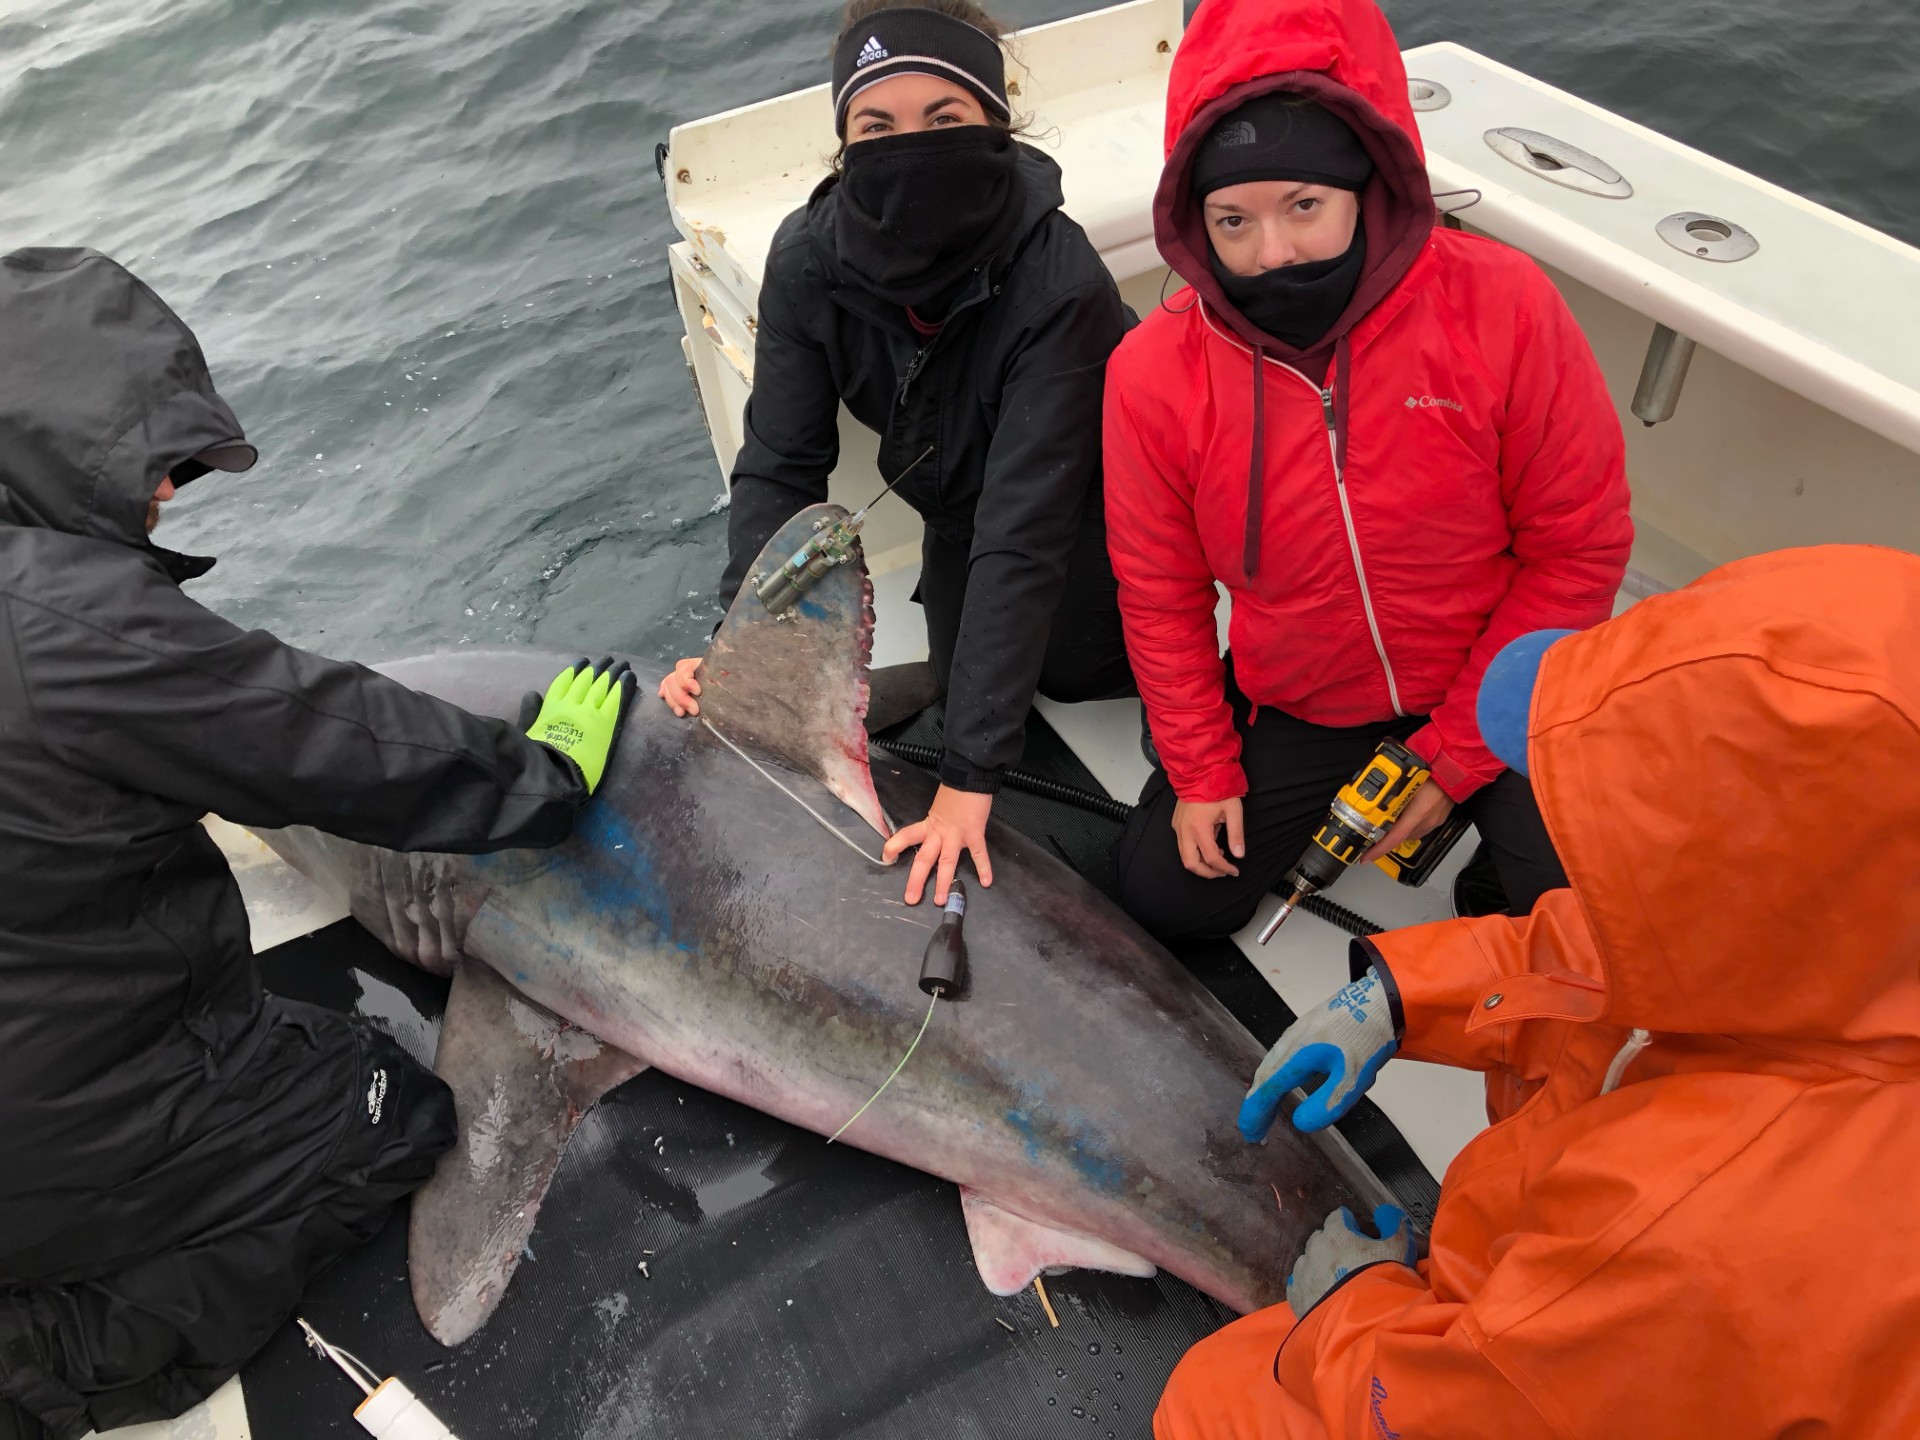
(1693, 1215)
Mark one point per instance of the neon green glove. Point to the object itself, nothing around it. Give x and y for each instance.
(583, 713)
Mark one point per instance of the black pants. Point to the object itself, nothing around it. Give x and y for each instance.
(1086, 657)
(158, 1337)
(1294, 769)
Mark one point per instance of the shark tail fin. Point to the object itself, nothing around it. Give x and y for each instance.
(522, 1081)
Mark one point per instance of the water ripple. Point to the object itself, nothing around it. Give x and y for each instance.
(423, 245)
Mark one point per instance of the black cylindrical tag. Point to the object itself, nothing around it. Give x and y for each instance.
(943, 972)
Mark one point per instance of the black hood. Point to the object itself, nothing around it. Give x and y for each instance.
(1039, 177)
(103, 391)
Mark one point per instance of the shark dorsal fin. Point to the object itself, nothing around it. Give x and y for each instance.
(794, 687)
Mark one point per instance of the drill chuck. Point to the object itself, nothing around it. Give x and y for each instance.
(1360, 815)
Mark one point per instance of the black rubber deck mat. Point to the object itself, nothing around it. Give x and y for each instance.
(789, 1288)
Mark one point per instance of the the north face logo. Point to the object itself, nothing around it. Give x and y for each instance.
(377, 1097)
(1434, 402)
(1240, 132)
(870, 52)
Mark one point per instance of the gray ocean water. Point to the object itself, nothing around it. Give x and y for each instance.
(423, 244)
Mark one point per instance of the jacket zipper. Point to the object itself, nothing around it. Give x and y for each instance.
(913, 370)
(918, 363)
(1353, 540)
(1346, 509)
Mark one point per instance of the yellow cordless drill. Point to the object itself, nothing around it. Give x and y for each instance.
(1364, 810)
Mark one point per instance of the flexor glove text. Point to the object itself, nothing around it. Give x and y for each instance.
(583, 712)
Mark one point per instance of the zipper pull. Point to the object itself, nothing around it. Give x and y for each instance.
(1333, 435)
(913, 370)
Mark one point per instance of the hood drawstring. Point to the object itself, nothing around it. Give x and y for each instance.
(1256, 470)
(1628, 1053)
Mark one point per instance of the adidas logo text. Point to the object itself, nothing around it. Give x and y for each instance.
(870, 52)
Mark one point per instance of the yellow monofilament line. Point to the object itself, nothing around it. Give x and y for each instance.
(890, 1079)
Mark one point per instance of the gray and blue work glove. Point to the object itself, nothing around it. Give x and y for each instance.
(1346, 1041)
(1341, 1248)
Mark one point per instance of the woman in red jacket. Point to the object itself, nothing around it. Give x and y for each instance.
(1388, 440)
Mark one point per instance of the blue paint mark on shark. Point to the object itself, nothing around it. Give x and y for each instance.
(616, 877)
(1082, 1151)
(1023, 1122)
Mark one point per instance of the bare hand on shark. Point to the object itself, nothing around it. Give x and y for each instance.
(956, 824)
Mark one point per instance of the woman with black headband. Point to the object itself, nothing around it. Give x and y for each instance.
(1388, 440)
(934, 284)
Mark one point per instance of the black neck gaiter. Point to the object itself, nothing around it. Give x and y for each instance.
(919, 213)
(1297, 304)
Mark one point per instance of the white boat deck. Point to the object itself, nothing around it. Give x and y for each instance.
(1826, 307)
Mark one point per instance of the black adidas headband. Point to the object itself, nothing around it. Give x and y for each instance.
(915, 41)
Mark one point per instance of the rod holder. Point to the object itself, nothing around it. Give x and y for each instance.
(1669, 354)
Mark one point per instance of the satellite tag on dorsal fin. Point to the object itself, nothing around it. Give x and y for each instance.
(794, 686)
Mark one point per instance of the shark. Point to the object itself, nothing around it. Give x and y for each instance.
(722, 912)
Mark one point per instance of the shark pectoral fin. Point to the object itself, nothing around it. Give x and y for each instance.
(794, 686)
(522, 1080)
(1010, 1250)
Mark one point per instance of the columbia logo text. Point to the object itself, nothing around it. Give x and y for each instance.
(1433, 402)
(870, 52)
(377, 1097)
(1376, 1393)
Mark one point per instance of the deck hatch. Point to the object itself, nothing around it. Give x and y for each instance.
(1552, 158)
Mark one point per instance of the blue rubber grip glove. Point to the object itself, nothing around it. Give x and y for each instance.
(1346, 1041)
(1340, 1247)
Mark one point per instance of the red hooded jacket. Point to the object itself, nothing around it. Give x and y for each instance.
(1459, 481)
(1693, 1215)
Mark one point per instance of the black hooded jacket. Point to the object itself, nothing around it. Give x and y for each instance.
(1008, 397)
(130, 1006)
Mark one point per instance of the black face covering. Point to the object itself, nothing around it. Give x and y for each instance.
(920, 213)
(1297, 304)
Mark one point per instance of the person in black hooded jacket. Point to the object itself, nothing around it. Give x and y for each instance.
(934, 285)
(180, 1152)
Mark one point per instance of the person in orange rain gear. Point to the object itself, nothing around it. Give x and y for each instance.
(1693, 1215)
